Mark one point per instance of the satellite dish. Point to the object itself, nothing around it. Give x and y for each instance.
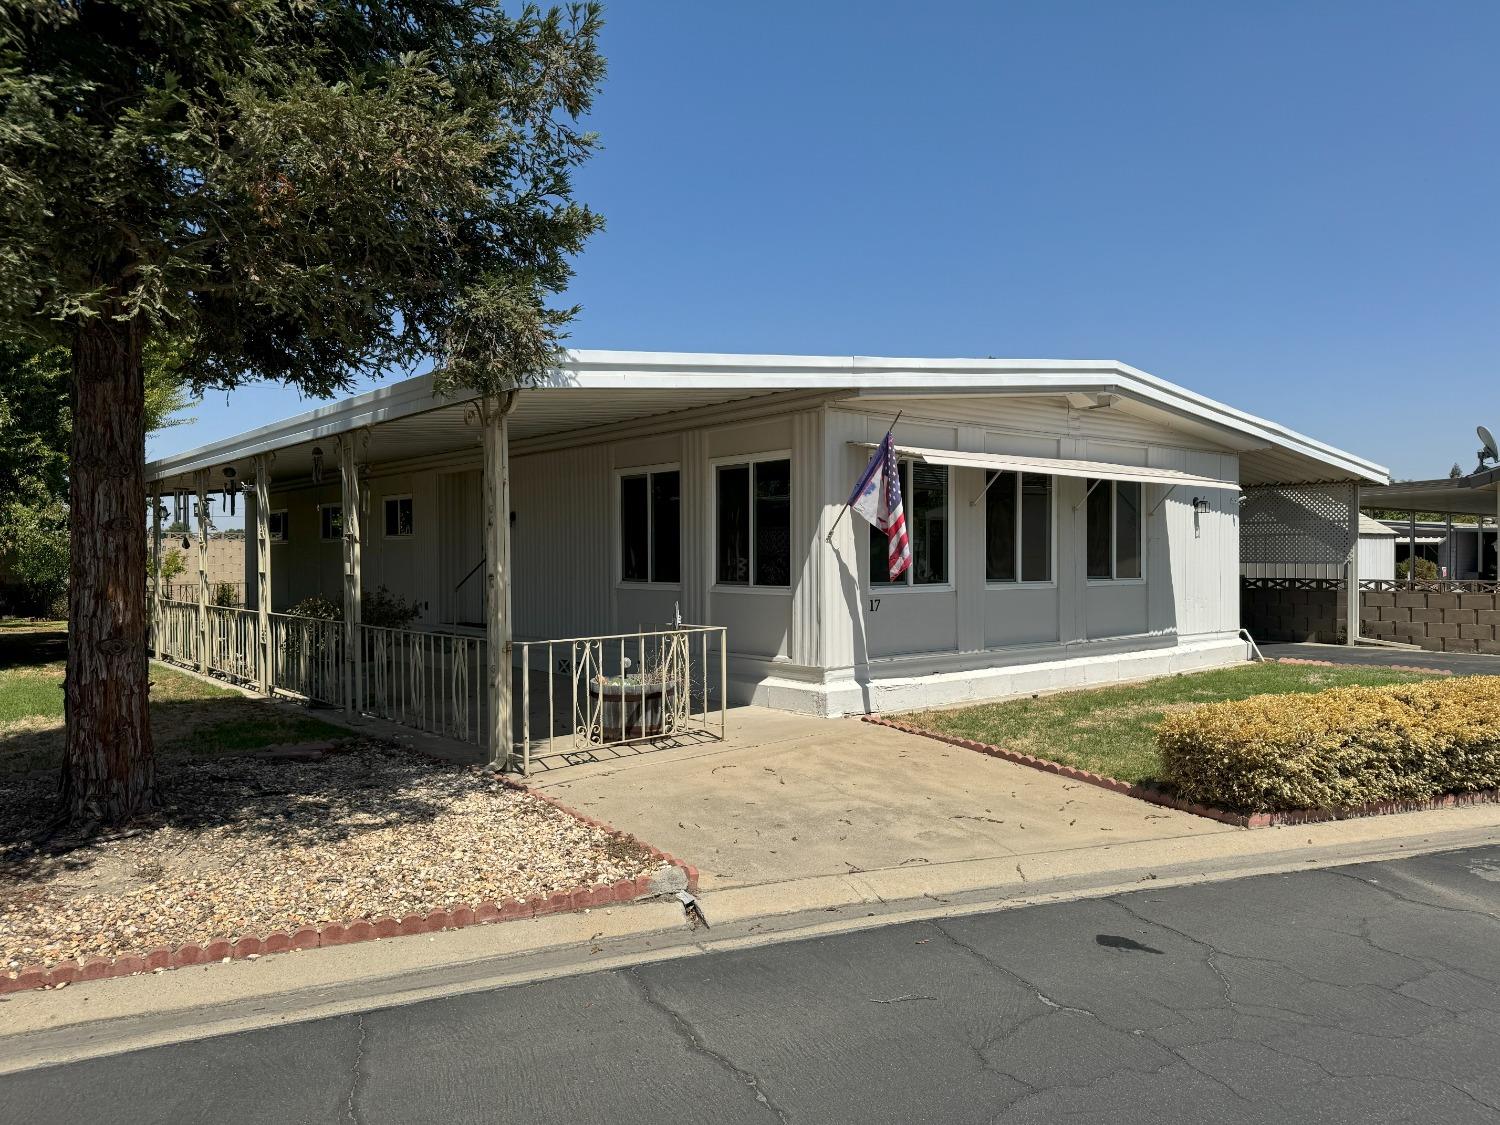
(1490, 452)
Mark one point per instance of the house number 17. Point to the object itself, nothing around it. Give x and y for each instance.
(874, 605)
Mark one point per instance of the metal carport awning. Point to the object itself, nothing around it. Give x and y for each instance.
(1053, 466)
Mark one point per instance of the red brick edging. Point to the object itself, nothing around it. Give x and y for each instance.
(1336, 664)
(363, 929)
(1166, 800)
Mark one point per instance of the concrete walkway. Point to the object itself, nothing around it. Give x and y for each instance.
(1459, 663)
(791, 797)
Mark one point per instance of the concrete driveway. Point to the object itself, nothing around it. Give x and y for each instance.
(788, 797)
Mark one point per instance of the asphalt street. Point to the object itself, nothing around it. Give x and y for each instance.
(1368, 993)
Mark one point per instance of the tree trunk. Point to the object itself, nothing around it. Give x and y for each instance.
(108, 769)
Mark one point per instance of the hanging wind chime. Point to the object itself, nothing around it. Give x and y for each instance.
(317, 460)
(231, 489)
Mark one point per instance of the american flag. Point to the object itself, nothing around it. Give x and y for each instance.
(877, 497)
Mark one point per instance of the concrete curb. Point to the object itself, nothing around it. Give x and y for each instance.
(250, 947)
(1166, 800)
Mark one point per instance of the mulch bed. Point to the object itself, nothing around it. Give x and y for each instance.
(1165, 799)
(255, 854)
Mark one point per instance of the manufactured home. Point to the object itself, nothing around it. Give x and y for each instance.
(682, 515)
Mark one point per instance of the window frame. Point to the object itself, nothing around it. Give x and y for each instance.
(907, 581)
(1114, 537)
(385, 523)
(286, 526)
(1018, 582)
(321, 508)
(646, 471)
(747, 460)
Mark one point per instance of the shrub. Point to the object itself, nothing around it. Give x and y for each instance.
(1338, 748)
(385, 610)
(378, 607)
(1427, 570)
(226, 594)
(324, 609)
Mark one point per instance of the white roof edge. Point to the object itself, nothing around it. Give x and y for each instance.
(587, 368)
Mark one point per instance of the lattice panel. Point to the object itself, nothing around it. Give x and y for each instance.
(1287, 525)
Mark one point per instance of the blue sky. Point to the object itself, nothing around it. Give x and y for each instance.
(1290, 206)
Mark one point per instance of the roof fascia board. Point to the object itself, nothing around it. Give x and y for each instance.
(669, 370)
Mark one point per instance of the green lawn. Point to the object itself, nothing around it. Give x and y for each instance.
(1112, 730)
(189, 718)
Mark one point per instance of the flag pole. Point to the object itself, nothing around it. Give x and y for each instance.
(842, 511)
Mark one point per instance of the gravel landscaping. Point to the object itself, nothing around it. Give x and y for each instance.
(252, 845)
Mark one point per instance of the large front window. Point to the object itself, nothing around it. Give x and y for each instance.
(1114, 529)
(924, 491)
(1018, 527)
(754, 530)
(651, 526)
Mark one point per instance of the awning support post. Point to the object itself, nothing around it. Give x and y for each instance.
(493, 415)
(1411, 549)
(156, 629)
(1351, 599)
(353, 636)
(201, 480)
(263, 568)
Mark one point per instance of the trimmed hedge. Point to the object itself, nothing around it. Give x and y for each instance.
(1336, 749)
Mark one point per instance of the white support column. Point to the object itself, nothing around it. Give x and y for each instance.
(156, 629)
(201, 479)
(353, 656)
(493, 413)
(1351, 595)
(263, 568)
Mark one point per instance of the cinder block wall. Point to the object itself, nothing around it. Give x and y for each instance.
(1439, 622)
(1313, 612)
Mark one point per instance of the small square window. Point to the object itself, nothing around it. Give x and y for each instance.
(331, 522)
(276, 526)
(398, 522)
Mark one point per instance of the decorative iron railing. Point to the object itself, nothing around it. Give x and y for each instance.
(584, 695)
(431, 681)
(307, 658)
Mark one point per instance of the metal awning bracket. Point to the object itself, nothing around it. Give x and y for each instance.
(1163, 500)
(1087, 493)
(993, 477)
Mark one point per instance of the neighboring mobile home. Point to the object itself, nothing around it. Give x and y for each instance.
(1071, 522)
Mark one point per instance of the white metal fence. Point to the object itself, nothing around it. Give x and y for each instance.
(307, 658)
(572, 698)
(234, 650)
(582, 695)
(431, 681)
(179, 632)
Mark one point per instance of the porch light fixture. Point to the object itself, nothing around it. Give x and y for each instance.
(1201, 507)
